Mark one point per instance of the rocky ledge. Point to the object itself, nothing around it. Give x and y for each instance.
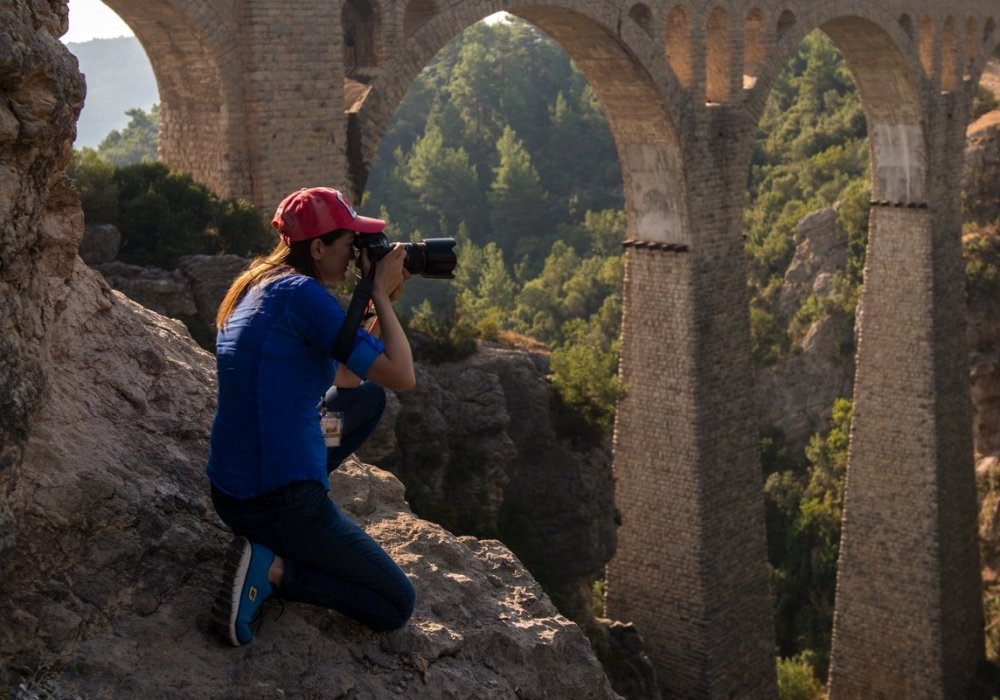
(118, 552)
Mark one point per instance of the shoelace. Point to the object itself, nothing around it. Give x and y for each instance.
(257, 621)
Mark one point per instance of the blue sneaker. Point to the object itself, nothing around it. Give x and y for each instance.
(244, 589)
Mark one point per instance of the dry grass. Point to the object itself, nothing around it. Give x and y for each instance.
(518, 341)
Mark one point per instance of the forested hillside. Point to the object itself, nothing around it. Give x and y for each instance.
(114, 68)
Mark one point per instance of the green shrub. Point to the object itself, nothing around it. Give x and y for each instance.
(803, 514)
(585, 374)
(981, 250)
(240, 230)
(137, 142)
(797, 680)
(597, 597)
(442, 336)
(163, 214)
(93, 176)
(984, 101)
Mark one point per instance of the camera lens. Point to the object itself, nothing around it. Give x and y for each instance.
(433, 257)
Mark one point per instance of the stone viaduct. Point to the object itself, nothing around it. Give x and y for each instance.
(260, 97)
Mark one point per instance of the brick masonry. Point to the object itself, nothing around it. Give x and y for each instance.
(253, 104)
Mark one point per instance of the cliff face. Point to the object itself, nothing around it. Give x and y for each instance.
(981, 245)
(796, 394)
(41, 94)
(479, 453)
(110, 549)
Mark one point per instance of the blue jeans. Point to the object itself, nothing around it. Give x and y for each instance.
(362, 408)
(329, 561)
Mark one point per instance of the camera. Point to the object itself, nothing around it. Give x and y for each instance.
(432, 257)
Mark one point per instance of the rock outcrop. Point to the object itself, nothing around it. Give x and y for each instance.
(191, 292)
(479, 452)
(101, 243)
(984, 344)
(41, 94)
(119, 551)
(796, 394)
(111, 550)
(982, 156)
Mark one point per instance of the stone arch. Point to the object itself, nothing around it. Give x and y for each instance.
(889, 79)
(786, 20)
(643, 16)
(754, 47)
(718, 73)
(925, 39)
(970, 46)
(360, 24)
(679, 46)
(641, 123)
(906, 22)
(913, 217)
(643, 127)
(198, 72)
(890, 95)
(950, 63)
(417, 14)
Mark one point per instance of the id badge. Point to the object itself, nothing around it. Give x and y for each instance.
(332, 422)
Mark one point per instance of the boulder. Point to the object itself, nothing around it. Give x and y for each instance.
(209, 277)
(479, 452)
(820, 252)
(982, 169)
(796, 394)
(100, 244)
(41, 94)
(167, 292)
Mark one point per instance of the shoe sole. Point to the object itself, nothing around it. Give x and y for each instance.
(227, 604)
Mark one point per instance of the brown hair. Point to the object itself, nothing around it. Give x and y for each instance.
(283, 260)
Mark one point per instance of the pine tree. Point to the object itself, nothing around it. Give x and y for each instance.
(445, 182)
(517, 201)
(136, 143)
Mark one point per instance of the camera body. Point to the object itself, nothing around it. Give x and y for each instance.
(432, 257)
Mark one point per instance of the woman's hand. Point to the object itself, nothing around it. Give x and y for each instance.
(389, 273)
(398, 291)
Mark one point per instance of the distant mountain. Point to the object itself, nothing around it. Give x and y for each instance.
(119, 77)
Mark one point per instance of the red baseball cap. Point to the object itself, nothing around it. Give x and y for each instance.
(313, 211)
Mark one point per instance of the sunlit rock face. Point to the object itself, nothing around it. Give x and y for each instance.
(981, 198)
(42, 94)
(796, 394)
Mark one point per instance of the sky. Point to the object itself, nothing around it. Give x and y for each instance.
(92, 19)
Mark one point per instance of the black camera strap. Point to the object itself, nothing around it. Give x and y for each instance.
(355, 314)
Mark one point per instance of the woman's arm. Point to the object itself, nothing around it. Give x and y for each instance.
(345, 378)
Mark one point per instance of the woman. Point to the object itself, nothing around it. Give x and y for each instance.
(269, 462)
